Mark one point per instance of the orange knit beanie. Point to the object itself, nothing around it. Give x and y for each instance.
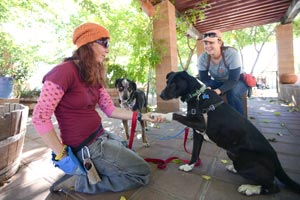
(89, 32)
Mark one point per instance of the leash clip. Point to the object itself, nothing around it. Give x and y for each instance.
(92, 174)
(211, 107)
(193, 111)
(85, 148)
(198, 96)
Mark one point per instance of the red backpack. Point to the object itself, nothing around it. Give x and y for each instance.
(249, 79)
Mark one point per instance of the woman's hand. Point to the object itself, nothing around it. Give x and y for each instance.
(218, 91)
(153, 117)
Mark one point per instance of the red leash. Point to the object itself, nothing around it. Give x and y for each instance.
(161, 164)
(132, 131)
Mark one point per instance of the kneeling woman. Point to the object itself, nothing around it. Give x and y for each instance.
(71, 91)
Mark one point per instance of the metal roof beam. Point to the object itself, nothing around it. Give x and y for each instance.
(292, 12)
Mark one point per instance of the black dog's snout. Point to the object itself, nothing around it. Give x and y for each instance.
(162, 96)
(125, 95)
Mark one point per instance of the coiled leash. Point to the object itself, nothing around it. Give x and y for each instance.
(161, 164)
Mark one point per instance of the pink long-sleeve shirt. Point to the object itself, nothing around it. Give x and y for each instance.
(73, 104)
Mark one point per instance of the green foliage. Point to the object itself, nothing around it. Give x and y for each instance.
(131, 50)
(256, 36)
(296, 26)
(115, 71)
(21, 46)
(248, 36)
(186, 44)
(190, 16)
(30, 93)
(47, 28)
(195, 13)
(15, 61)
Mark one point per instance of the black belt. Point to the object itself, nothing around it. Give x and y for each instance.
(87, 140)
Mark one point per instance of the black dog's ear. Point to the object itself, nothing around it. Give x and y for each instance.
(185, 73)
(169, 74)
(132, 85)
(117, 81)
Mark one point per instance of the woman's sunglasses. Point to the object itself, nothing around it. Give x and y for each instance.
(103, 42)
(210, 35)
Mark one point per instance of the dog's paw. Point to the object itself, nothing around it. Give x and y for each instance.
(186, 167)
(231, 168)
(249, 189)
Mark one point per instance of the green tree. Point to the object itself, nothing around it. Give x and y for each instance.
(132, 53)
(296, 29)
(296, 26)
(256, 36)
(186, 44)
(47, 28)
(16, 59)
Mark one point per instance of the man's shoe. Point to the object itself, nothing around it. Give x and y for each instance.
(65, 182)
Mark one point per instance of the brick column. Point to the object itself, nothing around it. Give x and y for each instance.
(285, 50)
(164, 27)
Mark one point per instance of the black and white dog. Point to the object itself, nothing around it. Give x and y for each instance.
(252, 156)
(132, 98)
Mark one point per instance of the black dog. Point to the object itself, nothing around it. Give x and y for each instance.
(132, 98)
(252, 155)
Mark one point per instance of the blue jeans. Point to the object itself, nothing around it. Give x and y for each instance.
(234, 96)
(120, 168)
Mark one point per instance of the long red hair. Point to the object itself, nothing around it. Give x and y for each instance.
(90, 71)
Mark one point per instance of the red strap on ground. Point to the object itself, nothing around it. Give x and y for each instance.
(161, 164)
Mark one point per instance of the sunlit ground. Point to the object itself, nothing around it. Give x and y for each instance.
(264, 93)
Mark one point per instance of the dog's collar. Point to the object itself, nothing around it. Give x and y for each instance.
(197, 93)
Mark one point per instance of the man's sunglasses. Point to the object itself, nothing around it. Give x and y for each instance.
(103, 42)
(210, 35)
